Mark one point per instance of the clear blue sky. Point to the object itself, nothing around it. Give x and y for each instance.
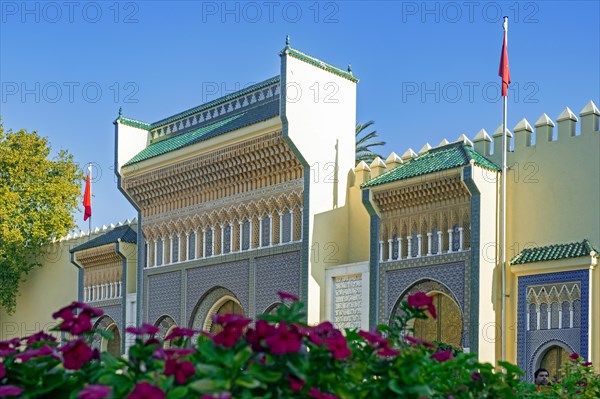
(427, 70)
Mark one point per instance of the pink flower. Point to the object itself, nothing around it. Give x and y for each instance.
(145, 390)
(418, 341)
(317, 334)
(222, 395)
(94, 392)
(256, 335)
(143, 329)
(178, 352)
(2, 370)
(586, 364)
(315, 393)
(33, 353)
(388, 352)
(574, 356)
(9, 347)
(476, 376)
(284, 340)
(179, 332)
(374, 339)
(181, 370)
(442, 356)
(296, 384)
(38, 337)
(421, 300)
(233, 329)
(286, 295)
(68, 311)
(10, 390)
(76, 354)
(338, 346)
(76, 324)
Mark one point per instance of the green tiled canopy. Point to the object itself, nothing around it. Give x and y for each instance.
(123, 233)
(435, 160)
(234, 122)
(553, 252)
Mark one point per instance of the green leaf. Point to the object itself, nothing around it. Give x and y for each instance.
(178, 393)
(204, 385)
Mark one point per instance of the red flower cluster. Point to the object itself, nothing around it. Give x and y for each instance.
(418, 341)
(180, 332)
(315, 393)
(441, 356)
(422, 300)
(143, 330)
(181, 370)
(10, 390)
(94, 392)
(9, 347)
(145, 390)
(378, 342)
(233, 329)
(31, 353)
(76, 354)
(296, 384)
(80, 323)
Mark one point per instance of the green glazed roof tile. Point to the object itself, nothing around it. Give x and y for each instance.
(133, 123)
(253, 115)
(435, 160)
(319, 64)
(553, 252)
(124, 233)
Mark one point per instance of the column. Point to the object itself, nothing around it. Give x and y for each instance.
(460, 239)
(170, 250)
(280, 227)
(419, 246)
(291, 225)
(155, 252)
(212, 241)
(380, 251)
(260, 231)
(120, 288)
(196, 244)
(528, 320)
(270, 230)
(409, 247)
(559, 316)
(250, 235)
(429, 244)
(440, 242)
(549, 315)
(240, 223)
(449, 240)
(399, 247)
(390, 247)
(301, 223)
(187, 246)
(537, 312)
(223, 239)
(570, 315)
(203, 242)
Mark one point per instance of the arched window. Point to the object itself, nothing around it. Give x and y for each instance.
(455, 238)
(447, 327)
(246, 235)
(159, 252)
(395, 246)
(227, 239)
(554, 315)
(175, 249)
(532, 317)
(414, 245)
(566, 315)
(435, 242)
(265, 226)
(577, 313)
(287, 226)
(192, 245)
(544, 316)
(553, 360)
(208, 243)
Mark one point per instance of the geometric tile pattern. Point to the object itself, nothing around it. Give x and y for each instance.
(163, 296)
(531, 344)
(233, 276)
(274, 273)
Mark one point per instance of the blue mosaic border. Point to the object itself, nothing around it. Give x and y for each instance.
(524, 350)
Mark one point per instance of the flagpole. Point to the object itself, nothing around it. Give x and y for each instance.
(504, 179)
(90, 218)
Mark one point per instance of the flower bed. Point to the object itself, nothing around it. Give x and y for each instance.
(279, 356)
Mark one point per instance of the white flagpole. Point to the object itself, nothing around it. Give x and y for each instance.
(90, 218)
(504, 179)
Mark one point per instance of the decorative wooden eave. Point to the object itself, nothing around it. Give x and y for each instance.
(98, 256)
(209, 176)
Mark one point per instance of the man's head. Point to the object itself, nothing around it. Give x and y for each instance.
(541, 376)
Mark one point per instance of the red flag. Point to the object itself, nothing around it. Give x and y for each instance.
(504, 71)
(87, 195)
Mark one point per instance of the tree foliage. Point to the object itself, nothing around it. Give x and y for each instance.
(37, 199)
(364, 144)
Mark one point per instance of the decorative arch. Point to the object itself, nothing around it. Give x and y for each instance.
(452, 331)
(545, 349)
(208, 305)
(165, 323)
(110, 345)
(272, 308)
